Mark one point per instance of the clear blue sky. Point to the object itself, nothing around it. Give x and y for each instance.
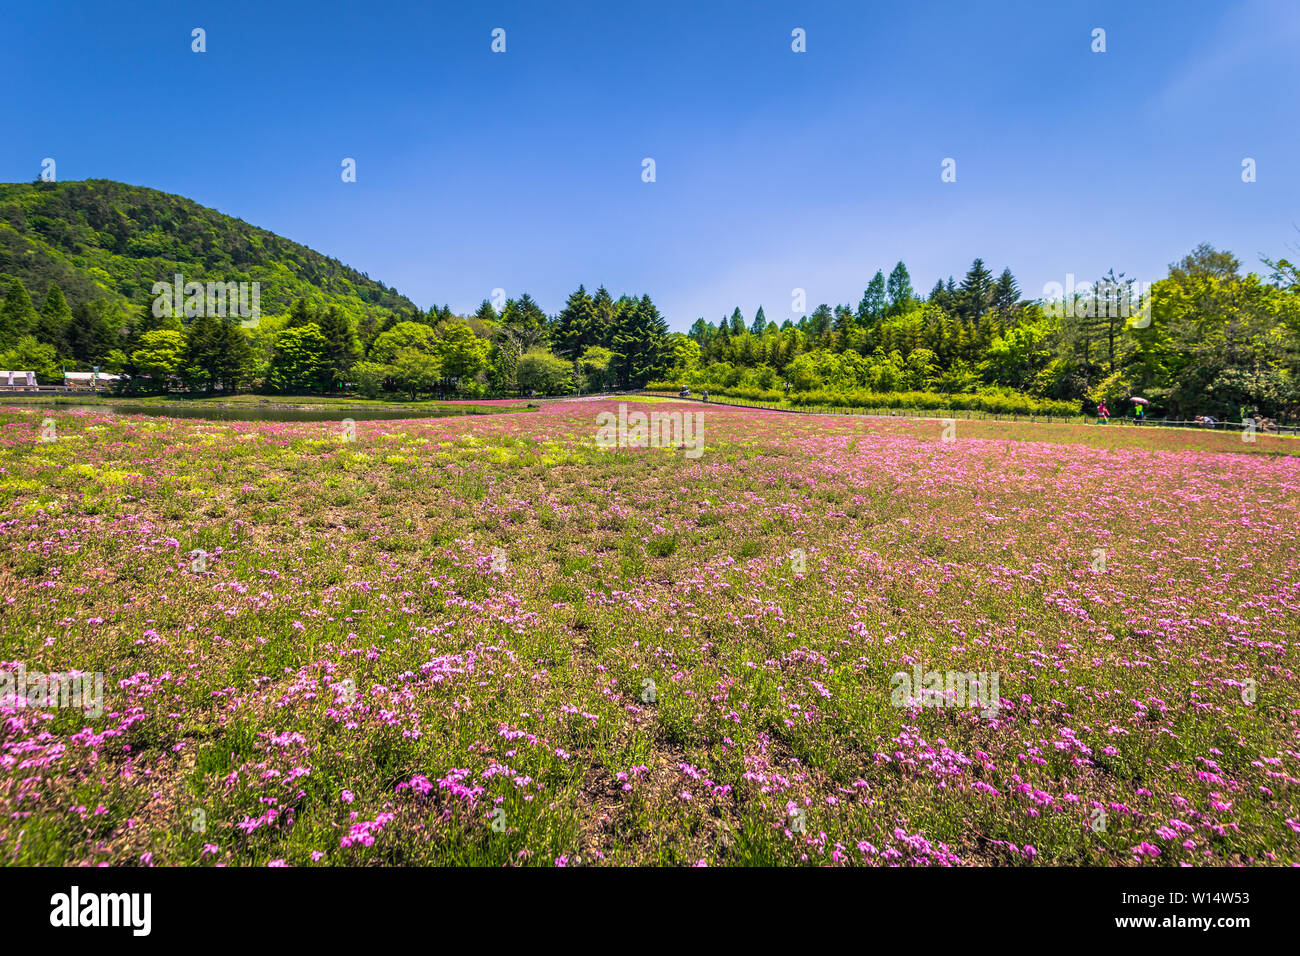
(775, 170)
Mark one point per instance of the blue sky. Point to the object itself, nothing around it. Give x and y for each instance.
(775, 169)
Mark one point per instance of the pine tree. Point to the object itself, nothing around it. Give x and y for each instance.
(18, 316)
(932, 330)
(54, 318)
(720, 341)
(602, 307)
(899, 290)
(641, 342)
(388, 322)
(200, 361)
(872, 306)
(531, 313)
(233, 356)
(1114, 295)
(976, 290)
(948, 338)
(575, 327)
(819, 323)
(524, 321)
(759, 325)
(964, 341)
(737, 322)
(885, 339)
(985, 331)
(938, 296)
(88, 335)
(844, 324)
(1006, 293)
(300, 314)
(341, 347)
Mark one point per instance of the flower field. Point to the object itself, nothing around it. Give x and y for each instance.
(489, 641)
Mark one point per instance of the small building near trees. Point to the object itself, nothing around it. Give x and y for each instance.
(18, 379)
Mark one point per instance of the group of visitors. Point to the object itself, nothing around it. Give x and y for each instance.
(1204, 421)
(1139, 412)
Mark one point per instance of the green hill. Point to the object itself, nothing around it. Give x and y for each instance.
(108, 241)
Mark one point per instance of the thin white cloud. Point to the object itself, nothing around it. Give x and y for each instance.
(1250, 35)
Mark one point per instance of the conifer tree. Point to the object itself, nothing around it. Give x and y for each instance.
(88, 336)
(341, 347)
(937, 294)
(641, 344)
(899, 290)
(1006, 293)
(200, 359)
(18, 316)
(819, 323)
(575, 328)
(300, 314)
(844, 324)
(737, 322)
(524, 321)
(872, 306)
(602, 306)
(233, 356)
(976, 290)
(53, 319)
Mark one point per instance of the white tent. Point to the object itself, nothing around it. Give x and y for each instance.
(22, 379)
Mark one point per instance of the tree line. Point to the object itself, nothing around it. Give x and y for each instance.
(596, 342)
(1204, 339)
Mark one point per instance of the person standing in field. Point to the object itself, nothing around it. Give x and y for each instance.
(1103, 413)
(1138, 414)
